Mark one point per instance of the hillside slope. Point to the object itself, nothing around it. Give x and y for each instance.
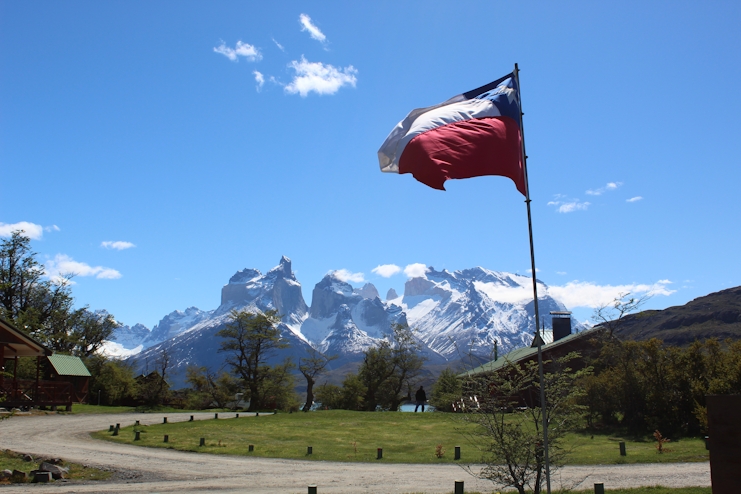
(717, 315)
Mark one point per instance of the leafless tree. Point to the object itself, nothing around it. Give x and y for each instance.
(610, 315)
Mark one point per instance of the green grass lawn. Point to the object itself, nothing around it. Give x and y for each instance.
(340, 435)
(14, 461)
(601, 449)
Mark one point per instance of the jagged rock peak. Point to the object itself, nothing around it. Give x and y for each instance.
(368, 291)
(245, 275)
(417, 286)
(283, 268)
(391, 294)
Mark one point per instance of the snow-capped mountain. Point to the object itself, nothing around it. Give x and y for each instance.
(248, 290)
(454, 314)
(130, 337)
(277, 290)
(175, 323)
(346, 322)
(462, 312)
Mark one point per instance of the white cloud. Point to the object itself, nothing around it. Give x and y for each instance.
(569, 206)
(240, 50)
(52, 228)
(386, 270)
(416, 270)
(320, 78)
(586, 294)
(508, 294)
(63, 264)
(280, 47)
(117, 245)
(314, 32)
(602, 190)
(349, 276)
(562, 273)
(529, 270)
(259, 78)
(634, 199)
(31, 230)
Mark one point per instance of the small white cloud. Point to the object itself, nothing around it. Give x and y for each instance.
(537, 270)
(602, 190)
(280, 47)
(569, 206)
(259, 79)
(52, 228)
(585, 294)
(562, 273)
(416, 270)
(386, 270)
(117, 245)
(320, 78)
(314, 32)
(348, 276)
(63, 264)
(246, 50)
(634, 199)
(31, 230)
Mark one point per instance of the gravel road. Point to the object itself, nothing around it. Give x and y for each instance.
(145, 470)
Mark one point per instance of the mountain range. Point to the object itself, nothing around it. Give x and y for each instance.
(453, 314)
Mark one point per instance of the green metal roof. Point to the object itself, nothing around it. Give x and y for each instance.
(65, 365)
(520, 354)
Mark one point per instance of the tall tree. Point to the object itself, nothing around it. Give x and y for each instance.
(311, 367)
(389, 369)
(210, 388)
(249, 340)
(407, 364)
(45, 308)
(377, 367)
(447, 391)
(26, 299)
(153, 387)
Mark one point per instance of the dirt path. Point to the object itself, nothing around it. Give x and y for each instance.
(160, 470)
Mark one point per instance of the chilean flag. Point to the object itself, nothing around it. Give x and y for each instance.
(473, 134)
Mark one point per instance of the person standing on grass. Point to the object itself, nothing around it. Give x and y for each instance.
(421, 397)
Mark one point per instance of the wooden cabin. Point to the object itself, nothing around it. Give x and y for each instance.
(65, 368)
(50, 390)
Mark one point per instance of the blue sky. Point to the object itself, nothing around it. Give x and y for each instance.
(206, 137)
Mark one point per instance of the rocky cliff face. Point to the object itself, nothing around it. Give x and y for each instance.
(333, 300)
(277, 290)
(368, 291)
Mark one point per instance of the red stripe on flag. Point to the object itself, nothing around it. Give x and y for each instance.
(472, 148)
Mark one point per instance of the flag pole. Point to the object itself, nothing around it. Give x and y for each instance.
(538, 338)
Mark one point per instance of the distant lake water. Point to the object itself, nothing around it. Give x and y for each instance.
(409, 407)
